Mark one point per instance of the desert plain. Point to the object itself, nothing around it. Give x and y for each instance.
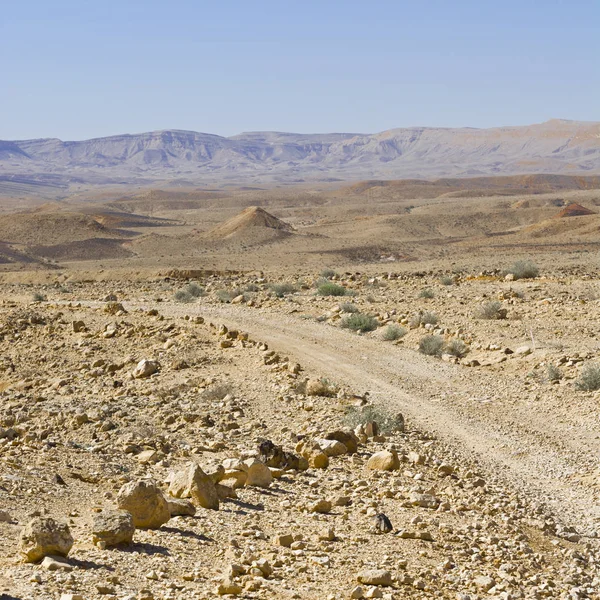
(377, 389)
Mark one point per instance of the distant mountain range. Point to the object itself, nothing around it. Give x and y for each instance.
(189, 158)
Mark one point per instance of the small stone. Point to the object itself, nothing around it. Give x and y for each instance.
(180, 507)
(146, 368)
(258, 474)
(382, 524)
(285, 540)
(320, 506)
(55, 563)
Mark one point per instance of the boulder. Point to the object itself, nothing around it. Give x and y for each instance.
(385, 460)
(258, 474)
(113, 527)
(146, 368)
(43, 537)
(146, 503)
(192, 482)
(348, 438)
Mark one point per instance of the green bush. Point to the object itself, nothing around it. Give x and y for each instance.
(283, 289)
(431, 345)
(393, 333)
(491, 311)
(589, 380)
(348, 307)
(195, 290)
(359, 322)
(524, 269)
(456, 347)
(328, 273)
(331, 289)
(183, 296)
(426, 293)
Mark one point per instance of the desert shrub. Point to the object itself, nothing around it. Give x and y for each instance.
(456, 347)
(348, 307)
(589, 380)
(426, 293)
(331, 289)
(431, 345)
(490, 311)
(195, 290)
(393, 332)
(183, 296)
(387, 421)
(446, 280)
(328, 273)
(224, 295)
(251, 287)
(38, 297)
(359, 322)
(524, 269)
(553, 373)
(283, 289)
(425, 318)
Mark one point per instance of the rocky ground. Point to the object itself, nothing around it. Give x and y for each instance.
(469, 473)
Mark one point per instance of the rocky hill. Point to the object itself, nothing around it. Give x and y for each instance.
(186, 157)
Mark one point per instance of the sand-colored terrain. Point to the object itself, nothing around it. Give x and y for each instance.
(431, 431)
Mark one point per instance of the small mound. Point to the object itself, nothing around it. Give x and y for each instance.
(574, 210)
(250, 219)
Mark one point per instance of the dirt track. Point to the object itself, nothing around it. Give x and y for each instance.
(511, 439)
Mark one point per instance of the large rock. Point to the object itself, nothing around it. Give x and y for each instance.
(375, 577)
(113, 527)
(385, 460)
(43, 537)
(348, 438)
(332, 447)
(258, 474)
(146, 368)
(146, 503)
(192, 482)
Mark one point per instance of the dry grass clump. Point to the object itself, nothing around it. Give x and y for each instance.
(283, 289)
(331, 289)
(393, 333)
(386, 421)
(359, 322)
(431, 345)
(491, 311)
(589, 380)
(523, 269)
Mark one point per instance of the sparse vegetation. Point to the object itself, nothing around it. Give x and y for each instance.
(331, 289)
(553, 373)
(228, 295)
(38, 297)
(183, 296)
(393, 332)
(349, 307)
(386, 421)
(195, 290)
(491, 311)
(427, 294)
(359, 322)
(523, 269)
(446, 280)
(328, 273)
(425, 318)
(431, 345)
(589, 379)
(283, 289)
(456, 347)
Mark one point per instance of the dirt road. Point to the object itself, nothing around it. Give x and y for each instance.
(511, 439)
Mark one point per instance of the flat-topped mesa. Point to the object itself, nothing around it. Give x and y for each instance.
(250, 218)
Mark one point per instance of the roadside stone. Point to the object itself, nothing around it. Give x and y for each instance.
(385, 460)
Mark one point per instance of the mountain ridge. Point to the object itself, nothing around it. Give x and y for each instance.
(189, 157)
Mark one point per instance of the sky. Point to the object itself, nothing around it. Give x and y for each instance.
(78, 69)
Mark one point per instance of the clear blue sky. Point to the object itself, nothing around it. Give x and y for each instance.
(76, 69)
